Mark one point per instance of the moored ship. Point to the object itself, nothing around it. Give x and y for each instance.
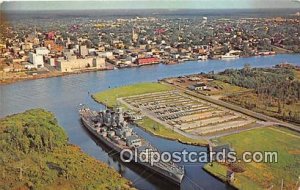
(110, 127)
(229, 56)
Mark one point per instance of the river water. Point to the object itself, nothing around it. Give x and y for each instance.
(62, 95)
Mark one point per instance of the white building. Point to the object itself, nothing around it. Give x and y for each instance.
(91, 50)
(107, 54)
(42, 51)
(36, 60)
(52, 61)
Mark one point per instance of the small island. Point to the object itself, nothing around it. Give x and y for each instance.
(35, 154)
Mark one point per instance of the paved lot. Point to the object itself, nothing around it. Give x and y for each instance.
(187, 114)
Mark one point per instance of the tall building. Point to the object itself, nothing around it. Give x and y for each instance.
(134, 36)
(36, 60)
(52, 62)
(83, 51)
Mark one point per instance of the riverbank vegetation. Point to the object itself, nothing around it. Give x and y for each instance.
(263, 175)
(35, 154)
(276, 90)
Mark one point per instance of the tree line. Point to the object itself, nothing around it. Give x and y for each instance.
(278, 87)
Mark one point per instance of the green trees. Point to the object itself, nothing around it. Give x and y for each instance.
(32, 132)
(277, 89)
(277, 83)
(35, 154)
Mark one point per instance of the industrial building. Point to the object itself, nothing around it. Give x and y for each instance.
(147, 61)
(36, 59)
(71, 65)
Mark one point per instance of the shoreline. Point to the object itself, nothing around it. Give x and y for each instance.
(45, 76)
(217, 176)
(62, 74)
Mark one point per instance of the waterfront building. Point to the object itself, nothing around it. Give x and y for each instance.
(73, 64)
(83, 51)
(149, 60)
(68, 54)
(107, 54)
(36, 60)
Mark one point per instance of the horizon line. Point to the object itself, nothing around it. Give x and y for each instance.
(108, 9)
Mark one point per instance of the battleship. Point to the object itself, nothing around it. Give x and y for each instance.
(111, 128)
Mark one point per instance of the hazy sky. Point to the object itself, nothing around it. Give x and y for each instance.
(149, 4)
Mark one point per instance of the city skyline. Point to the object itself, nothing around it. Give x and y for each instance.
(146, 4)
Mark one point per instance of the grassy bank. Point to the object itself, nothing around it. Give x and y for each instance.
(264, 175)
(35, 154)
(109, 97)
(162, 131)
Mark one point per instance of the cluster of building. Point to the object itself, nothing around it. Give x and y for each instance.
(72, 45)
(48, 52)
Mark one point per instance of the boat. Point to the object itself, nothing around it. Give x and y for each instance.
(202, 57)
(110, 127)
(229, 56)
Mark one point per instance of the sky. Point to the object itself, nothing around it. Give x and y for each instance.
(148, 4)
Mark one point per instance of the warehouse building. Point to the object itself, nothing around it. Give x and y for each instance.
(72, 65)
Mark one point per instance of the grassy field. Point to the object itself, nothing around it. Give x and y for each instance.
(225, 88)
(110, 96)
(264, 175)
(160, 130)
(35, 154)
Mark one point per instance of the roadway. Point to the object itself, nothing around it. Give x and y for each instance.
(268, 119)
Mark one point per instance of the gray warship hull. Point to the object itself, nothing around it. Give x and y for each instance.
(173, 178)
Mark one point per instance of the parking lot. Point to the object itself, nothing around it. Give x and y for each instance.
(187, 113)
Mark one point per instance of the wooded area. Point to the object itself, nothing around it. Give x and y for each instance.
(35, 154)
(276, 90)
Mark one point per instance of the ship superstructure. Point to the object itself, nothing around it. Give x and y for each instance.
(110, 127)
